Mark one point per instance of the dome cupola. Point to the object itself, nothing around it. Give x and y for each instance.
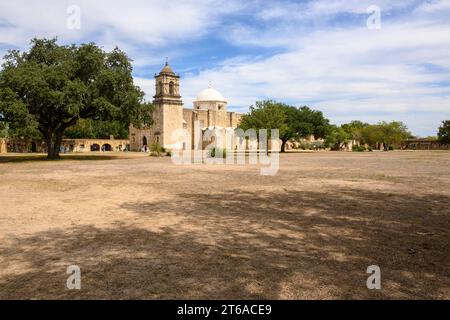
(210, 94)
(210, 99)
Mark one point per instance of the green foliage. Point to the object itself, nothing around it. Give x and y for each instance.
(156, 150)
(97, 129)
(355, 129)
(3, 130)
(303, 122)
(358, 148)
(444, 132)
(390, 134)
(336, 137)
(292, 122)
(217, 153)
(266, 114)
(51, 87)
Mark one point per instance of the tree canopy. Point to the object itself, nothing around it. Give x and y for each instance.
(337, 137)
(292, 122)
(387, 133)
(51, 87)
(97, 129)
(444, 132)
(355, 129)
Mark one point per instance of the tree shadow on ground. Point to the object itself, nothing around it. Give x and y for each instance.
(292, 245)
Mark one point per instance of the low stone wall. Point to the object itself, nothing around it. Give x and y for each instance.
(22, 146)
(424, 145)
(95, 145)
(68, 145)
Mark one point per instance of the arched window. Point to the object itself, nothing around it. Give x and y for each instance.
(171, 88)
(160, 88)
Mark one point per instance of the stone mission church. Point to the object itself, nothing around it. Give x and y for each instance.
(209, 112)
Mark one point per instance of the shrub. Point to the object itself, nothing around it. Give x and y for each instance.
(357, 148)
(156, 150)
(304, 146)
(217, 153)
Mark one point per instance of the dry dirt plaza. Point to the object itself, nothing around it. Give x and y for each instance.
(142, 227)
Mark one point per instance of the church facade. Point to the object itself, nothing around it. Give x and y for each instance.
(208, 112)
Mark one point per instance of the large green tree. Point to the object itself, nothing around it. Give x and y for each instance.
(266, 114)
(444, 132)
(52, 87)
(337, 137)
(292, 122)
(387, 133)
(305, 122)
(355, 129)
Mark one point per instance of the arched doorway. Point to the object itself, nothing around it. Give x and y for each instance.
(95, 147)
(144, 141)
(106, 147)
(33, 147)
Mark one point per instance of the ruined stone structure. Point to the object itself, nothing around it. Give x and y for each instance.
(67, 145)
(22, 145)
(424, 144)
(209, 112)
(88, 145)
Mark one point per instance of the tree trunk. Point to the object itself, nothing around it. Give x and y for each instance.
(53, 142)
(283, 145)
(54, 138)
(49, 143)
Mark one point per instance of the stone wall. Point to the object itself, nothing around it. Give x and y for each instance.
(422, 144)
(173, 120)
(22, 146)
(68, 145)
(94, 145)
(3, 148)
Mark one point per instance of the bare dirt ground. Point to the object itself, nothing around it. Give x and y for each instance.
(144, 228)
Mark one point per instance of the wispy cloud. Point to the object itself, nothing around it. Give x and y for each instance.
(303, 52)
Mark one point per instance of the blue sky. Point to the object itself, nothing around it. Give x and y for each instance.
(317, 53)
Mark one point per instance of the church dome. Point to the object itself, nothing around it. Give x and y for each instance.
(167, 69)
(210, 94)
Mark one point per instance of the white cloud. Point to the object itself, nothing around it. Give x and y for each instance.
(133, 21)
(342, 68)
(349, 72)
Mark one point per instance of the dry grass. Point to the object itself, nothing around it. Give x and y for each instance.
(141, 227)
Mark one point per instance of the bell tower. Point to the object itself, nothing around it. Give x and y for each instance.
(168, 115)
